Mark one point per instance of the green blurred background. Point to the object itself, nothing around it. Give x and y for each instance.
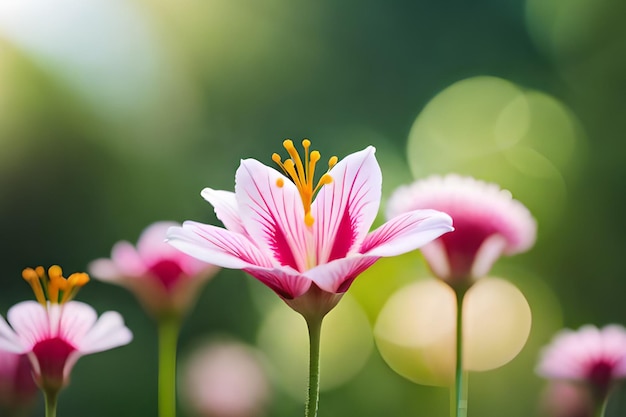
(116, 113)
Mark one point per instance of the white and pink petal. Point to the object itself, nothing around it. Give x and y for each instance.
(217, 246)
(337, 276)
(272, 212)
(406, 232)
(226, 208)
(107, 333)
(284, 281)
(345, 209)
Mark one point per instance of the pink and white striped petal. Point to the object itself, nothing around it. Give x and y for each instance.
(284, 281)
(217, 246)
(337, 276)
(226, 208)
(406, 232)
(273, 215)
(345, 209)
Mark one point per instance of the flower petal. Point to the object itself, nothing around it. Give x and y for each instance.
(127, 259)
(217, 246)
(151, 245)
(107, 333)
(273, 215)
(345, 209)
(76, 319)
(226, 208)
(337, 276)
(9, 341)
(30, 321)
(105, 270)
(285, 281)
(407, 232)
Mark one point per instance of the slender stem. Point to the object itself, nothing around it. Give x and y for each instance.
(601, 407)
(460, 397)
(50, 403)
(315, 329)
(169, 327)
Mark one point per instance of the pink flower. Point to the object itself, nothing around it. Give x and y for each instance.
(591, 355)
(164, 279)
(226, 379)
(17, 386)
(55, 332)
(488, 223)
(566, 399)
(305, 241)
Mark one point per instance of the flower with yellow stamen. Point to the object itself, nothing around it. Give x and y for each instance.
(303, 174)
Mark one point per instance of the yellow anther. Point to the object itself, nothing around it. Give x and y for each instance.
(55, 271)
(280, 182)
(74, 283)
(302, 172)
(31, 276)
(78, 279)
(41, 272)
(49, 287)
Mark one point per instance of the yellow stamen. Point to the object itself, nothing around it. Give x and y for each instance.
(302, 173)
(48, 287)
(31, 276)
(74, 283)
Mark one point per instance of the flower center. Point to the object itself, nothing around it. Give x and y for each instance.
(53, 286)
(167, 272)
(52, 355)
(302, 173)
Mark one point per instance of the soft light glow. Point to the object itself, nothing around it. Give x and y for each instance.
(415, 331)
(346, 345)
(490, 128)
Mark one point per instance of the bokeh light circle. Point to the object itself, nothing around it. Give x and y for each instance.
(415, 331)
(346, 345)
(490, 128)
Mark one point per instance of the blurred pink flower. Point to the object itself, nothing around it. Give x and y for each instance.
(54, 332)
(566, 399)
(17, 386)
(226, 379)
(488, 223)
(591, 355)
(306, 248)
(163, 279)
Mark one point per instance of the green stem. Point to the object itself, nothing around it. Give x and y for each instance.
(50, 403)
(460, 386)
(601, 408)
(315, 329)
(168, 338)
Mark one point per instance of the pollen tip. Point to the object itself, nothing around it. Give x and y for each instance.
(288, 144)
(78, 279)
(55, 271)
(29, 274)
(332, 161)
(41, 272)
(276, 157)
(306, 143)
(280, 182)
(326, 179)
(315, 156)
